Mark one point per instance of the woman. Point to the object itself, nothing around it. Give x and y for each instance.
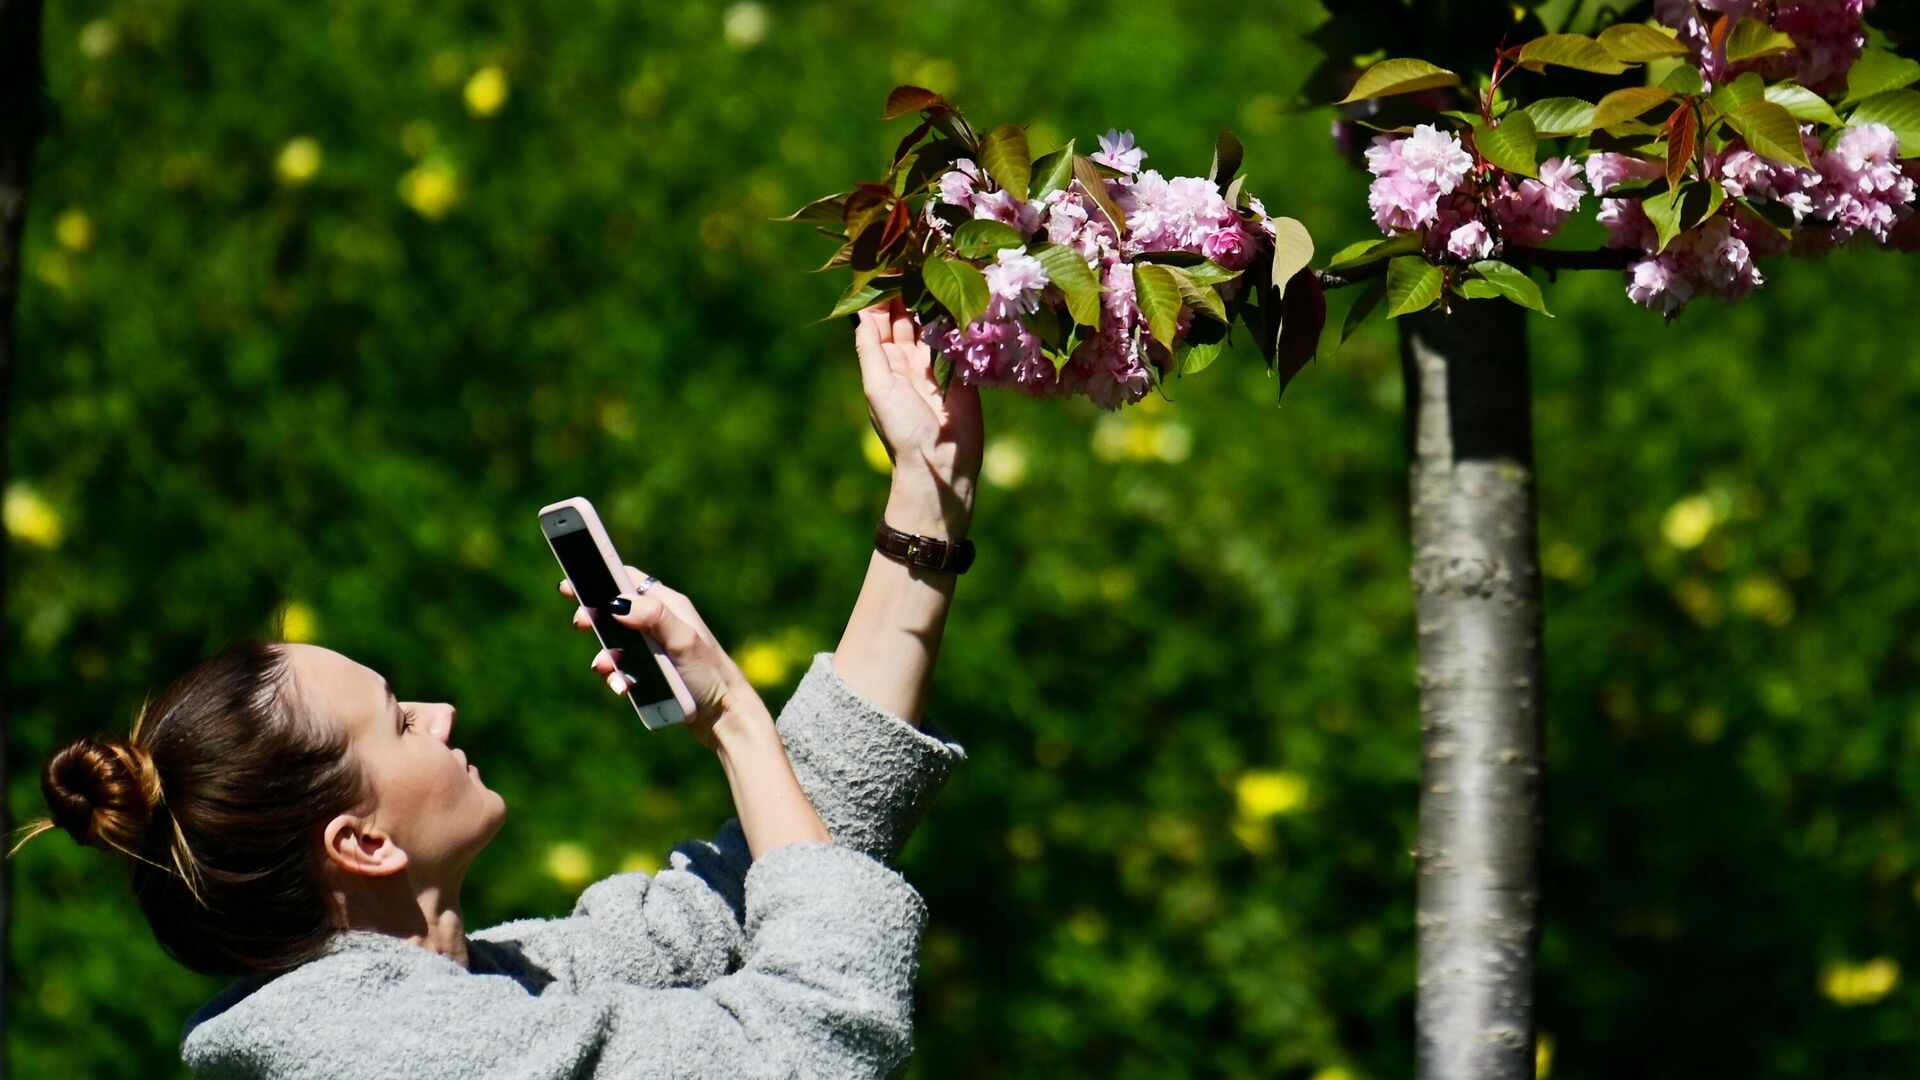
(289, 820)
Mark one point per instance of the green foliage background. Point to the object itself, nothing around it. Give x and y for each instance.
(238, 393)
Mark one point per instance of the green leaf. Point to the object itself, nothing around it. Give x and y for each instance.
(1878, 71)
(1292, 249)
(1005, 157)
(1627, 103)
(1227, 153)
(1363, 306)
(1087, 172)
(1203, 299)
(959, 287)
(1476, 289)
(1514, 284)
(1683, 208)
(1770, 131)
(862, 294)
(1729, 96)
(1158, 294)
(1372, 251)
(1402, 76)
(831, 210)
(1053, 172)
(1513, 145)
(982, 237)
(1208, 272)
(905, 99)
(1194, 357)
(1413, 284)
(1752, 39)
(1803, 103)
(1575, 51)
(1684, 79)
(1075, 279)
(1637, 43)
(1561, 116)
(1899, 110)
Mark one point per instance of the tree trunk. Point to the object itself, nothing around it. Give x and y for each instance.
(1477, 590)
(20, 118)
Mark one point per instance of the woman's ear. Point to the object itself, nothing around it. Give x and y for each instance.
(355, 845)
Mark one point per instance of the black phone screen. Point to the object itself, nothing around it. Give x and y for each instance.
(580, 558)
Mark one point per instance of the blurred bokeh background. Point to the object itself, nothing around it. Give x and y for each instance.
(323, 301)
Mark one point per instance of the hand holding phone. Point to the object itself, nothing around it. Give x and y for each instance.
(599, 578)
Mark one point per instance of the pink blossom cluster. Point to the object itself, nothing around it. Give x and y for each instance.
(1109, 366)
(1423, 184)
(1859, 186)
(1827, 34)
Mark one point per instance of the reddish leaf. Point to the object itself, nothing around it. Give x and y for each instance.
(906, 99)
(862, 202)
(1303, 314)
(1683, 132)
(896, 226)
(913, 137)
(1095, 186)
(1717, 34)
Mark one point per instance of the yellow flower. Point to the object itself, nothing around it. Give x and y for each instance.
(431, 188)
(486, 91)
(569, 864)
(1687, 522)
(31, 518)
(1543, 1057)
(1763, 597)
(299, 160)
(745, 25)
(764, 663)
(1860, 984)
(297, 622)
(1267, 793)
(639, 862)
(74, 230)
(875, 452)
(1005, 463)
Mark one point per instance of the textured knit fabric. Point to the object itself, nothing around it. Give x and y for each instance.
(798, 964)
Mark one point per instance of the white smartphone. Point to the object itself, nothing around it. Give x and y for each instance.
(598, 575)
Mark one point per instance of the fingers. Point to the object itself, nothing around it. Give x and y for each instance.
(871, 349)
(650, 615)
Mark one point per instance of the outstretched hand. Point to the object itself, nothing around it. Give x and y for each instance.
(934, 439)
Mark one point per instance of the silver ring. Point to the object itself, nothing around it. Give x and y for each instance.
(647, 581)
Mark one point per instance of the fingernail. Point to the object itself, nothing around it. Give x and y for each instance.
(620, 605)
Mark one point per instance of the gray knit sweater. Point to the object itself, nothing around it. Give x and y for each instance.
(799, 964)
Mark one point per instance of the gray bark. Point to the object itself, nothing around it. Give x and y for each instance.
(20, 118)
(1477, 592)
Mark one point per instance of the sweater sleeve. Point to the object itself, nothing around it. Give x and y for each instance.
(826, 991)
(870, 774)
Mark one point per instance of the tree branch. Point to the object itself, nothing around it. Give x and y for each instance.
(1548, 259)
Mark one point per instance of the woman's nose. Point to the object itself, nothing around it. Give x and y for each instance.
(443, 721)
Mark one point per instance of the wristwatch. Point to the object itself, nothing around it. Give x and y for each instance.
(953, 556)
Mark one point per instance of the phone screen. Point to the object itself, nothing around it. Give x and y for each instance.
(580, 558)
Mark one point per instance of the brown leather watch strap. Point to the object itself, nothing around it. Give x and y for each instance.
(953, 556)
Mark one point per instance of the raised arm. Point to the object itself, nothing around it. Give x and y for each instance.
(893, 637)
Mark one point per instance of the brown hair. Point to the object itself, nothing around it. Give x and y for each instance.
(217, 799)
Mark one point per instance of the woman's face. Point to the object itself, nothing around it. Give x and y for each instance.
(424, 794)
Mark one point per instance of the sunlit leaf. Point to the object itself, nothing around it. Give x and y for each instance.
(1878, 71)
(905, 99)
(1413, 284)
(959, 286)
(1157, 292)
(1075, 279)
(1401, 76)
(1752, 39)
(1514, 284)
(1006, 158)
(1053, 172)
(1803, 103)
(982, 237)
(1292, 249)
(1575, 51)
(1637, 42)
(1770, 131)
(1628, 103)
(1512, 146)
(1561, 116)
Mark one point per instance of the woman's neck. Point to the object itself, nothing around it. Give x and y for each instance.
(428, 916)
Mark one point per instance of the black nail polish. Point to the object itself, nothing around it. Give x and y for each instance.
(620, 605)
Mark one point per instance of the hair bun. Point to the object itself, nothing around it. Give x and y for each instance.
(103, 791)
